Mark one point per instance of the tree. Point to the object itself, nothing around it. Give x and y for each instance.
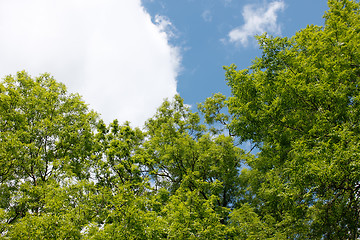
(181, 150)
(46, 138)
(299, 103)
(198, 168)
(67, 175)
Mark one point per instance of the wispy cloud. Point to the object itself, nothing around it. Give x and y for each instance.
(165, 26)
(258, 19)
(109, 51)
(207, 16)
(227, 2)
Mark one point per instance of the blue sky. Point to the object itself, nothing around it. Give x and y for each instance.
(202, 28)
(125, 56)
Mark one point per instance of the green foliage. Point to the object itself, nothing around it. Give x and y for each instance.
(66, 175)
(191, 216)
(180, 151)
(46, 137)
(114, 154)
(299, 104)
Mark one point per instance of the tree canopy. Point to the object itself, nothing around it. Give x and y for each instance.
(299, 104)
(65, 174)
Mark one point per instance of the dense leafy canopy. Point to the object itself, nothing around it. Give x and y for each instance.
(65, 174)
(299, 103)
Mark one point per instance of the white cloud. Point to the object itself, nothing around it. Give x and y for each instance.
(258, 19)
(109, 51)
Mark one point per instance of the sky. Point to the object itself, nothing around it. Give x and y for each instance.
(126, 56)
